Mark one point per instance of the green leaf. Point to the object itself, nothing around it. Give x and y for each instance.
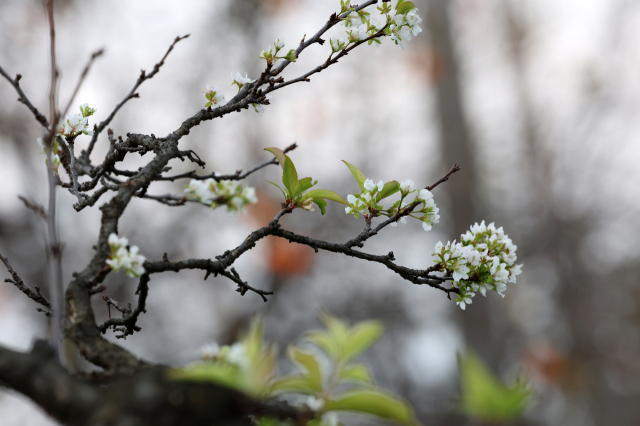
(207, 105)
(484, 397)
(388, 190)
(324, 341)
(224, 374)
(337, 328)
(291, 56)
(278, 186)
(404, 7)
(361, 337)
(308, 364)
(294, 384)
(358, 373)
(357, 174)
(280, 155)
(304, 184)
(322, 204)
(290, 177)
(326, 194)
(374, 402)
(253, 339)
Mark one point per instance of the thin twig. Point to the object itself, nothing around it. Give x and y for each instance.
(243, 287)
(94, 55)
(23, 98)
(132, 94)
(368, 232)
(15, 279)
(330, 61)
(35, 207)
(223, 262)
(236, 176)
(129, 317)
(74, 172)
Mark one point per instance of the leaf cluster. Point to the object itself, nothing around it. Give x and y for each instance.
(346, 386)
(296, 191)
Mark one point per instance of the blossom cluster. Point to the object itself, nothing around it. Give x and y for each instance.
(367, 202)
(270, 54)
(483, 260)
(77, 124)
(124, 257)
(73, 125)
(215, 96)
(54, 157)
(221, 193)
(236, 354)
(401, 23)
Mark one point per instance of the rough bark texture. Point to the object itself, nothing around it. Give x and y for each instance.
(145, 398)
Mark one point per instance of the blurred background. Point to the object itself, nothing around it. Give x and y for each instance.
(537, 100)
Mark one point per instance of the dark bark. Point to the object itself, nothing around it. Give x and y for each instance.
(148, 397)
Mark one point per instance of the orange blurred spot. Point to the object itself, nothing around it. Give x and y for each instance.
(545, 362)
(283, 258)
(552, 367)
(427, 63)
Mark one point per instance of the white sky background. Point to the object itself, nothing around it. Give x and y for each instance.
(374, 109)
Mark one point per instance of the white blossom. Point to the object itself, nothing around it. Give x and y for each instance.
(214, 95)
(237, 355)
(54, 158)
(221, 193)
(209, 351)
(123, 258)
(279, 44)
(424, 195)
(330, 418)
(86, 110)
(369, 185)
(338, 43)
(484, 252)
(259, 108)
(358, 33)
(515, 271)
(353, 19)
(402, 220)
(240, 80)
(412, 18)
(460, 272)
(479, 229)
(465, 300)
(315, 404)
(407, 186)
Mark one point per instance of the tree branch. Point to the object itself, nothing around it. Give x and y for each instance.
(15, 279)
(128, 320)
(94, 55)
(132, 94)
(416, 276)
(23, 98)
(368, 232)
(148, 398)
(238, 175)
